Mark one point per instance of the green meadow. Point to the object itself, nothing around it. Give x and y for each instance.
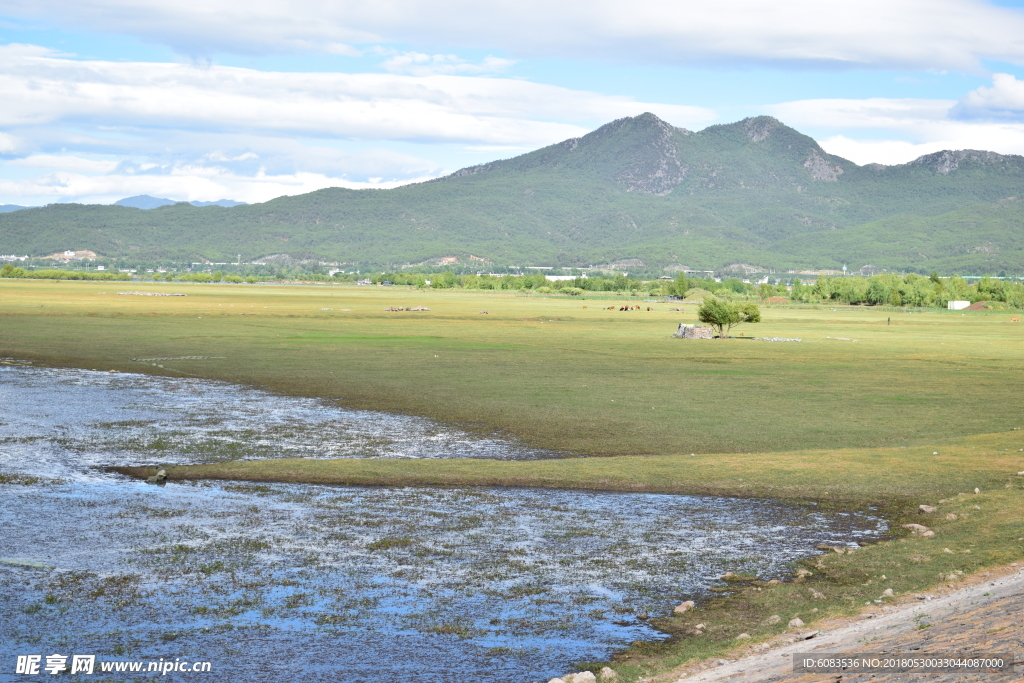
(887, 408)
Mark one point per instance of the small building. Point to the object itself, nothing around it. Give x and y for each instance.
(693, 332)
(957, 305)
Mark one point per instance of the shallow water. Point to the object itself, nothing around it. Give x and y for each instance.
(315, 583)
(81, 417)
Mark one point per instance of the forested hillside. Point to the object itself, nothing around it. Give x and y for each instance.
(754, 192)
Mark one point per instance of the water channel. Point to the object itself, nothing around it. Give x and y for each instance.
(318, 583)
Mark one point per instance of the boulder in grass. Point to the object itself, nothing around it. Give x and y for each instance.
(608, 675)
(773, 619)
(796, 622)
(684, 607)
(927, 509)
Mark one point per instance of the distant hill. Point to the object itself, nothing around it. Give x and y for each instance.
(637, 190)
(6, 208)
(144, 201)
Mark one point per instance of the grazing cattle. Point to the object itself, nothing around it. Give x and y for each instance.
(1014, 320)
(584, 307)
(648, 308)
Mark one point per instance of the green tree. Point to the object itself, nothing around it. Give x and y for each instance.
(723, 315)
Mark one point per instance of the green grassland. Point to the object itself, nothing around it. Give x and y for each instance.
(562, 373)
(875, 407)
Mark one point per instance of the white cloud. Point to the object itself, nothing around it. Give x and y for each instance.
(11, 144)
(45, 90)
(949, 34)
(186, 183)
(70, 162)
(875, 112)
(1004, 100)
(887, 152)
(895, 131)
(419, 64)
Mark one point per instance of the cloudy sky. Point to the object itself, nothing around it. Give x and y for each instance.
(104, 99)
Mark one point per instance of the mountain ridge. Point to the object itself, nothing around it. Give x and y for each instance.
(752, 191)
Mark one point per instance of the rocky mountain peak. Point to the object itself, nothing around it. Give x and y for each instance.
(947, 161)
(760, 127)
(821, 168)
(655, 168)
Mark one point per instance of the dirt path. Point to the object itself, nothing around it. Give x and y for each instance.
(984, 616)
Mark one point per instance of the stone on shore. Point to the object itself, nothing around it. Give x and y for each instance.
(684, 607)
(608, 675)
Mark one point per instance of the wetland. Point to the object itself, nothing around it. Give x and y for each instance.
(312, 582)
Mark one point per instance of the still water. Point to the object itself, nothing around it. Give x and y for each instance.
(317, 583)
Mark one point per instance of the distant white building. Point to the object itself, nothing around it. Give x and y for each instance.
(957, 305)
(560, 278)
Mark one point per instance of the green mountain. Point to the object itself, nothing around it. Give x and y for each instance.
(755, 192)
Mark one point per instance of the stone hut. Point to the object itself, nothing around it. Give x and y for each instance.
(693, 332)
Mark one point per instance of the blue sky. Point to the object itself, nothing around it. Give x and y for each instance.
(104, 99)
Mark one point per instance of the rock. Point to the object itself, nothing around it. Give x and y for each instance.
(773, 619)
(915, 527)
(951, 577)
(699, 627)
(951, 517)
(802, 573)
(977, 490)
(919, 558)
(927, 509)
(928, 534)
(947, 550)
(774, 582)
(608, 675)
(684, 607)
(643, 616)
(1020, 474)
(796, 622)
(557, 680)
(584, 677)
(728, 575)
(887, 593)
(743, 636)
(817, 595)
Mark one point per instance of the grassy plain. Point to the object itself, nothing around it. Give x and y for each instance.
(860, 413)
(586, 380)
